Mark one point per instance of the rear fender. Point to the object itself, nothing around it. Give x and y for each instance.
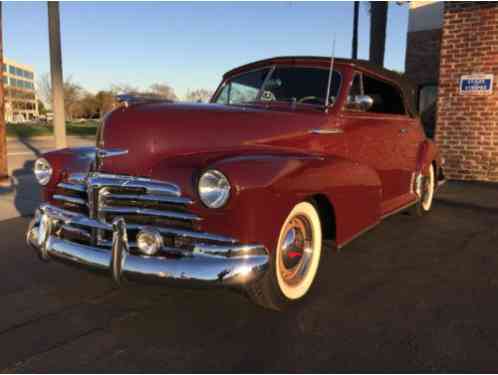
(428, 152)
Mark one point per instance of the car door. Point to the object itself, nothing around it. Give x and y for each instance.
(379, 138)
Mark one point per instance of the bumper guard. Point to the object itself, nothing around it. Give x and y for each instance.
(225, 265)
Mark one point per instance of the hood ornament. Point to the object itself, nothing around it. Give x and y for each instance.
(102, 153)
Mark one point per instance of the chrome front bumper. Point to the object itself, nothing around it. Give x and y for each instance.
(227, 265)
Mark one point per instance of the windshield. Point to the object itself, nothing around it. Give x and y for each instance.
(282, 84)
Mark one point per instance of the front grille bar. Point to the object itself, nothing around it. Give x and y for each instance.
(147, 198)
(74, 218)
(124, 210)
(75, 187)
(69, 199)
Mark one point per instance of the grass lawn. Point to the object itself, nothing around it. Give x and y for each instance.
(40, 129)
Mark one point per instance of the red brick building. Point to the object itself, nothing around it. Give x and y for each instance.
(452, 51)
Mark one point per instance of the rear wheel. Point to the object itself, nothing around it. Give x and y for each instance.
(294, 264)
(425, 187)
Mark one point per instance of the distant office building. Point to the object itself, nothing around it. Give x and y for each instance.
(21, 103)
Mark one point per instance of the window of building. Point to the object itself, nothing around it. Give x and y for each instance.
(12, 69)
(387, 98)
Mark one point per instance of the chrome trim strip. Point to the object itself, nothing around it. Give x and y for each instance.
(359, 234)
(77, 178)
(327, 131)
(110, 152)
(69, 199)
(397, 210)
(77, 231)
(97, 180)
(148, 212)
(236, 251)
(148, 198)
(197, 235)
(76, 187)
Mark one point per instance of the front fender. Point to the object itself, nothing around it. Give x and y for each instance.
(66, 161)
(266, 187)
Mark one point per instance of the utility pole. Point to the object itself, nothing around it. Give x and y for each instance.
(3, 130)
(354, 49)
(56, 74)
(378, 25)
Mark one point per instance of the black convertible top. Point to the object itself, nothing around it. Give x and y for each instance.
(408, 89)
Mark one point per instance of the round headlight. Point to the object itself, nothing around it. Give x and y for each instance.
(214, 188)
(43, 171)
(149, 241)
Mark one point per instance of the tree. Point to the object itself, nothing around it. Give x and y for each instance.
(73, 93)
(378, 25)
(87, 107)
(163, 91)
(199, 95)
(106, 102)
(41, 108)
(44, 89)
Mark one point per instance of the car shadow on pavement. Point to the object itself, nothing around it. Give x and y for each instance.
(21, 195)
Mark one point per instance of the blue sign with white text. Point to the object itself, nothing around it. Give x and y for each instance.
(476, 83)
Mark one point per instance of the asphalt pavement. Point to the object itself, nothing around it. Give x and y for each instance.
(414, 294)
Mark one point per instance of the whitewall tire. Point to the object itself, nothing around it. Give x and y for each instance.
(425, 189)
(295, 261)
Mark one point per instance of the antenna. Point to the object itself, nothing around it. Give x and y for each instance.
(331, 72)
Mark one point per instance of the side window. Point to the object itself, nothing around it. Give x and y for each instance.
(386, 97)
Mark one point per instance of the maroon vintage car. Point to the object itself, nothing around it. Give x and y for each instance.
(242, 191)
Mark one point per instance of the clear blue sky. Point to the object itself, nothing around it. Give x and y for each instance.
(187, 45)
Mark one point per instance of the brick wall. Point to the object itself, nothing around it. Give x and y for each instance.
(467, 125)
(422, 56)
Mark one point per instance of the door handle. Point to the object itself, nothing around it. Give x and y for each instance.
(403, 130)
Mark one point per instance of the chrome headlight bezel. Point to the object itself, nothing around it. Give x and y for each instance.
(43, 171)
(213, 188)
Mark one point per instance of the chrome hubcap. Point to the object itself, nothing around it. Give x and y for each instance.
(296, 250)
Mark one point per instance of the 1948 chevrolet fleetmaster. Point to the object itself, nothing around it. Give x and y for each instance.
(242, 191)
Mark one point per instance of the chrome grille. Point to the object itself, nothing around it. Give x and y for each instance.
(96, 199)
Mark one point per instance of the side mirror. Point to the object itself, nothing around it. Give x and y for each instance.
(360, 102)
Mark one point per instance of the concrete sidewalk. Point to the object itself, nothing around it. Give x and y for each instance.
(21, 195)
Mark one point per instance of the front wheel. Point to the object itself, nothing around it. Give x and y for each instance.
(294, 264)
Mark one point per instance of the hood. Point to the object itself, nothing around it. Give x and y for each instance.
(157, 131)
